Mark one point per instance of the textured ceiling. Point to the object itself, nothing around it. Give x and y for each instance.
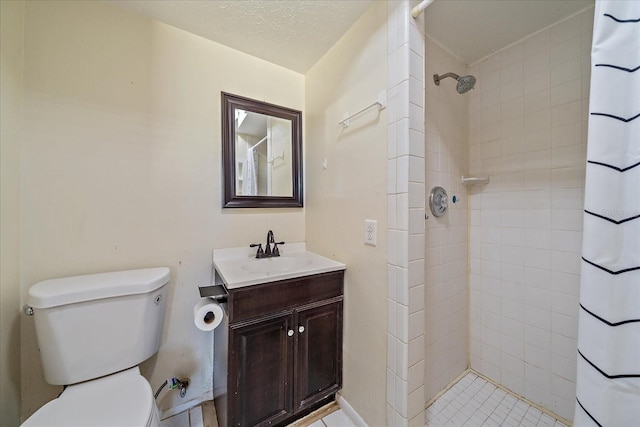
(292, 33)
(297, 33)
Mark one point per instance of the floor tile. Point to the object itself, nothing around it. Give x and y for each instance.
(338, 419)
(179, 420)
(195, 417)
(475, 402)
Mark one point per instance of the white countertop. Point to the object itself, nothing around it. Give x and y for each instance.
(238, 267)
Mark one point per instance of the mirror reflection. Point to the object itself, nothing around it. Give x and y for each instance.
(263, 155)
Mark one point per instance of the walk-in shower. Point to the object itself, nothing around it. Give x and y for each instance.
(465, 83)
(521, 235)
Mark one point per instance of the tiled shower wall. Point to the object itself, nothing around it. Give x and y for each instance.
(528, 128)
(405, 218)
(446, 296)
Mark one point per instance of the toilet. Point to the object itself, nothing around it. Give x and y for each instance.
(93, 331)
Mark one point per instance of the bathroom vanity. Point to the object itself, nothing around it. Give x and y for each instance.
(278, 354)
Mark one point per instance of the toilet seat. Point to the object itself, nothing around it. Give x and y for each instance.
(120, 399)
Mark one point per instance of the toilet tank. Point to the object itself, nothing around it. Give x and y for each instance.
(94, 325)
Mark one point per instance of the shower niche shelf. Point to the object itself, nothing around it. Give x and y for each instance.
(469, 181)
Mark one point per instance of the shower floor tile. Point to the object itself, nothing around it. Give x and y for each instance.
(475, 402)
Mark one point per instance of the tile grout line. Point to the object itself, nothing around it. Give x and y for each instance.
(491, 406)
(524, 399)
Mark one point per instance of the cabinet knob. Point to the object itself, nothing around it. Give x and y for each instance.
(301, 329)
(290, 332)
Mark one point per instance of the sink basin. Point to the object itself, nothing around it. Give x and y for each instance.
(238, 267)
(276, 265)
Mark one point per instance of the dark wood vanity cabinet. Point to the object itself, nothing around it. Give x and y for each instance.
(318, 353)
(285, 349)
(260, 372)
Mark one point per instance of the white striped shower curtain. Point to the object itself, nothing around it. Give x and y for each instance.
(608, 371)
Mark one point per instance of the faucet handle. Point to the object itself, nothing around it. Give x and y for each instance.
(276, 251)
(260, 251)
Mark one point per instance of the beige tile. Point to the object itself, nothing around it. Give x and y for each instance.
(195, 417)
(338, 419)
(179, 420)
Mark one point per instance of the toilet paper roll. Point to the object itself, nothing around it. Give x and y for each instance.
(207, 314)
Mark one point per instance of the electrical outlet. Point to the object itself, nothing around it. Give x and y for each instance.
(370, 232)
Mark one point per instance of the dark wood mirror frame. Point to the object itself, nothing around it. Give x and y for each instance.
(232, 102)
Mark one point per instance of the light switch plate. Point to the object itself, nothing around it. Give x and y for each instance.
(370, 232)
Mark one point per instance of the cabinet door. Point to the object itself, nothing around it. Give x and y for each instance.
(318, 352)
(260, 371)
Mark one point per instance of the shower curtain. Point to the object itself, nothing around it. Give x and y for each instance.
(608, 365)
(250, 178)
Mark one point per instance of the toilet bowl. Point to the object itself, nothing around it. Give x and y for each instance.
(92, 332)
(122, 399)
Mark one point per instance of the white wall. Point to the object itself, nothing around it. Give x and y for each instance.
(528, 121)
(351, 189)
(121, 166)
(446, 278)
(11, 48)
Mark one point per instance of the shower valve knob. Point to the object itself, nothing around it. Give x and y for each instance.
(438, 201)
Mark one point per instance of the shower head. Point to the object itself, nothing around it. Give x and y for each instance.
(465, 83)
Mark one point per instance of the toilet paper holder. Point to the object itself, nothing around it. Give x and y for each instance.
(217, 292)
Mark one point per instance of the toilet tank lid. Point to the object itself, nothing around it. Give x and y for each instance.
(70, 290)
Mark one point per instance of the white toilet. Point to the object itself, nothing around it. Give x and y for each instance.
(92, 332)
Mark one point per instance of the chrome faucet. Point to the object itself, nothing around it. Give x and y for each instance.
(268, 251)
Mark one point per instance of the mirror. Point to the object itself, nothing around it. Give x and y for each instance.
(261, 154)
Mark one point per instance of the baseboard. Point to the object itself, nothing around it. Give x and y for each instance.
(350, 412)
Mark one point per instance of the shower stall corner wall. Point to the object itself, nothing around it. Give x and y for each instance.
(446, 241)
